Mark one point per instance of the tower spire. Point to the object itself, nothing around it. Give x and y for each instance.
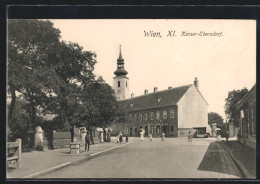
(120, 65)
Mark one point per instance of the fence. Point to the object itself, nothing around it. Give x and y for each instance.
(14, 151)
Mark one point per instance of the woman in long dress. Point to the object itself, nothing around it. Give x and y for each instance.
(142, 134)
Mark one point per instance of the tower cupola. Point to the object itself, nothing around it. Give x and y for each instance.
(120, 65)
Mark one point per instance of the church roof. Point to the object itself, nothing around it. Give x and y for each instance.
(158, 99)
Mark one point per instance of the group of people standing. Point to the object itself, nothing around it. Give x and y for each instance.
(151, 137)
(119, 138)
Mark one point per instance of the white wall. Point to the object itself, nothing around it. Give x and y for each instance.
(192, 110)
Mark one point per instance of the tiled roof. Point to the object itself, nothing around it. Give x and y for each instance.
(166, 98)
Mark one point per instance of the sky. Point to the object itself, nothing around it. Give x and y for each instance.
(222, 62)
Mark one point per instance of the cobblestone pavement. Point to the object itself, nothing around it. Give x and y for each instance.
(173, 158)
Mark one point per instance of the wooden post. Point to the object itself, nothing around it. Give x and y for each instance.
(19, 164)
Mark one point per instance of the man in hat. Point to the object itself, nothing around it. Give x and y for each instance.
(87, 141)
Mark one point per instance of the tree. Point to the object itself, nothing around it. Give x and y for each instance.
(100, 100)
(55, 77)
(214, 117)
(231, 104)
(74, 67)
(29, 41)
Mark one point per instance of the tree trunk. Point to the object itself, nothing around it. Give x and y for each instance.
(12, 105)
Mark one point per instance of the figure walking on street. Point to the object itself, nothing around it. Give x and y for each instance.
(126, 139)
(87, 141)
(120, 137)
(189, 137)
(227, 136)
(117, 139)
(150, 137)
(218, 136)
(163, 136)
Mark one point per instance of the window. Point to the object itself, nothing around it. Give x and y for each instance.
(146, 117)
(126, 83)
(171, 113)
(130, 117)
(165, 114)
(135, 117)
(158, 115)
(118, 84)
(126, 131)
(140, 117)
(152, 115)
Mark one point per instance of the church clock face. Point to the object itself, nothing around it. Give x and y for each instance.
(119, 91)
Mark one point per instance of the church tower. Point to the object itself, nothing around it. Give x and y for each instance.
(121, 81)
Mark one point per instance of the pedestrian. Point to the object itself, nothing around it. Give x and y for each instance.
(218, 136)
(227, 136)
(126, 139)
(120, 137)
(163, 136)
(87, 141)
(189, 137)
(142, 132)
(117, 139)
(150, 137)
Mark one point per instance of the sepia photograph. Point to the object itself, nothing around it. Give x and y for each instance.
(131, 98)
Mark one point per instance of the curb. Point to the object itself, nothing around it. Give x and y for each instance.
(46, 171)
(244, 171)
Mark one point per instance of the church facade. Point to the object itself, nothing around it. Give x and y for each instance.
(174, 111)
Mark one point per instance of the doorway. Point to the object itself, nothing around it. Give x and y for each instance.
(158, 130)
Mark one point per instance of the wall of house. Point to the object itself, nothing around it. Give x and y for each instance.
(248, 122)
(192, 110)
(169, 125)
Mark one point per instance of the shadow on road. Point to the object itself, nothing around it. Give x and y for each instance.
(216, 159)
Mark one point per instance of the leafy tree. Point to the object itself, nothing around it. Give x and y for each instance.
(54, 77)
(100, 101)
(29, 41)
(214, 117)
(231, 104)
(74, 67)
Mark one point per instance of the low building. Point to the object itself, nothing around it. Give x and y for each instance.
(247, 118)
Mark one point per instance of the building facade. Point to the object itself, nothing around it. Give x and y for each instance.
(174, 111)
(247, 118)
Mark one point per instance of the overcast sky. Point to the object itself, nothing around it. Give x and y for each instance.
(221, 63)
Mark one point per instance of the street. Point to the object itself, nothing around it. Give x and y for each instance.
(173, 158)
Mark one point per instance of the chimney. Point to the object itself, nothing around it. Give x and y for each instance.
(146, 92)
(155, 89)
(169, 87)
(196, 83)
(132, 95)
